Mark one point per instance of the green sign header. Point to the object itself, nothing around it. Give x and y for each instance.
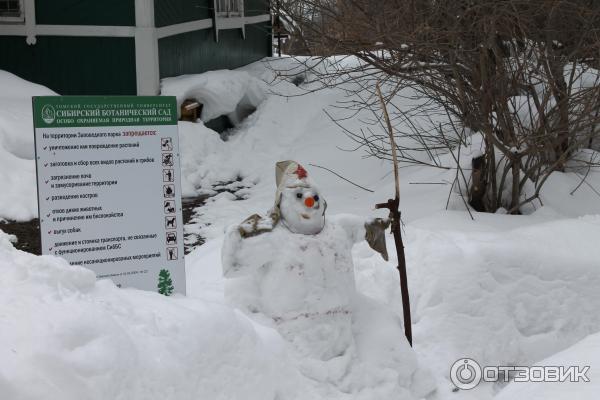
(81, 111)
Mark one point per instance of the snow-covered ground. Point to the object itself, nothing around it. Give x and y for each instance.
(17, 168)
(503, 290)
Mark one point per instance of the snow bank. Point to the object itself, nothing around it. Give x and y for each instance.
(584, 353)
(207, 161)
(13, 86)
(223, 92)
(17, 169)
(69, 336)
(502, 294)
(66, 336)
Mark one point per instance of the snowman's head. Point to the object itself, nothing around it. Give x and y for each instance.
(301, 207)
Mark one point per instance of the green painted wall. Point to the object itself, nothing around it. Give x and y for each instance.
(73, 65)
(170, 12)
(106, 66)
(122, 12)
(196, 52)
(85, 12)
(256, 7)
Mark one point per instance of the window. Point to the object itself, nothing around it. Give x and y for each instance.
(11, 11)
(230, 8)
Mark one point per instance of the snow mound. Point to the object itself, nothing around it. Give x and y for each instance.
(584, 353)
(68, 337)
(508, 296)
(201, 149)
(13, 86)
(223, 92)
(17, 169)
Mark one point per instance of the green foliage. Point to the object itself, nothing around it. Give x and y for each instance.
(165, 283)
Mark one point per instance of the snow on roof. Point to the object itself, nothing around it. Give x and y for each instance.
(220, 92)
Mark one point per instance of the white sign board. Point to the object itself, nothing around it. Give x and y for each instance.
(109, 192)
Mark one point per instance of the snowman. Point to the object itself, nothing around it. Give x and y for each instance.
(292, 269)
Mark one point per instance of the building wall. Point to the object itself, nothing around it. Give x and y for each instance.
(73, 65)
(106, 65)
(256, 7)
(86, 12)
(196, 52)
(170, 12)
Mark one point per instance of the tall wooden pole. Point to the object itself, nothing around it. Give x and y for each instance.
(393, 205)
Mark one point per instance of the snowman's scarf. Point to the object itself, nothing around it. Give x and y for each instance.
(257, 224)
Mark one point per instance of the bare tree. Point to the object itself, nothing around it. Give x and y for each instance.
(522, 74)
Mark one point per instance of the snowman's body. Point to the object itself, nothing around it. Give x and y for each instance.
(295, 268)
(304, 283)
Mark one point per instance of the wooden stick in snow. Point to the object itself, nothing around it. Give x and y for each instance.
(393, 206)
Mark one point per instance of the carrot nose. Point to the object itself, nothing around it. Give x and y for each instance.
(309, 202)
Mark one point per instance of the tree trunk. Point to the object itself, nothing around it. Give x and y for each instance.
(559, 87)
(516, 192)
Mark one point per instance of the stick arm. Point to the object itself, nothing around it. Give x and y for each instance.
(372, 230)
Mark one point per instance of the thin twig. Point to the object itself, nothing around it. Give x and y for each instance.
(339, 176)
(589, 168)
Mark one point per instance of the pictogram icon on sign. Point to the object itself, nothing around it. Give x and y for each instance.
(169, 207)
(171, 253)
(171, 238)
(167, 159)
(170, 222)
(168, 175)
(166, 144)
(169, 190)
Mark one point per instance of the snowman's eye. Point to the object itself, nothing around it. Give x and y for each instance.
(299, 195)
(316, 197)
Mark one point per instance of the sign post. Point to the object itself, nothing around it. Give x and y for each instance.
(109, 192)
